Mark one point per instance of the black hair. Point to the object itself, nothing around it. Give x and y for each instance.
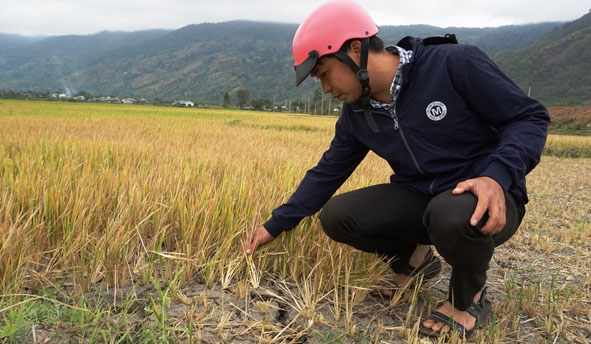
(376, 44)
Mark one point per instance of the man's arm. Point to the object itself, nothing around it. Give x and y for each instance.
(315, 189)
(521, 121)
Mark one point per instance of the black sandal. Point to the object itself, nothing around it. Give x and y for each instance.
(430, 268)
(480, 310)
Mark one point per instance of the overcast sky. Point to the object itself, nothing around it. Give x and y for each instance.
(59, 17)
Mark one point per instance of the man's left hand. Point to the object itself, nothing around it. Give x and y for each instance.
(491, 198)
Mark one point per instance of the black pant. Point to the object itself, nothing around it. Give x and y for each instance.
(391, 219)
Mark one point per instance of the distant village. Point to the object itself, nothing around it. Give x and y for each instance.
(86, 97)
(113, 100)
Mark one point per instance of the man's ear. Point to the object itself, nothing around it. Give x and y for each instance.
(355, 48)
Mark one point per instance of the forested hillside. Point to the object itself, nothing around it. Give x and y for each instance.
(556, 68)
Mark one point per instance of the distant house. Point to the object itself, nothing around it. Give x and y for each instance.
(185, 103)
(128, 101)
(110, 100)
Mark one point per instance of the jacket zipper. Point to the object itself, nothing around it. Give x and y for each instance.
(397, 127)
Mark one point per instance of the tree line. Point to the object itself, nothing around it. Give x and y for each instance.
(317, 104)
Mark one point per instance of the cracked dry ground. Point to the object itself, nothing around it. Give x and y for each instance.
(276, 311)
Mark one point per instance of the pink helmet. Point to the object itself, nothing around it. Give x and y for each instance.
(326, 30)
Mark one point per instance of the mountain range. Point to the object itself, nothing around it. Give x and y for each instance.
(202, 62)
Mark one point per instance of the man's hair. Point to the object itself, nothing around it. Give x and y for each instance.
(376, 44)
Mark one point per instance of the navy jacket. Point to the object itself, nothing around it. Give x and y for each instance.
(458, 116)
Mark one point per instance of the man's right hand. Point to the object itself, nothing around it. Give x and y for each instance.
(260, 236)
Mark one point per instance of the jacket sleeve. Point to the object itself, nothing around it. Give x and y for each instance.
(320, 182)
(521, 121)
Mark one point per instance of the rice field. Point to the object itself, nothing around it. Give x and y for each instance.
(125, 224)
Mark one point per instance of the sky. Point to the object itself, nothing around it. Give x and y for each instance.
(82, 17)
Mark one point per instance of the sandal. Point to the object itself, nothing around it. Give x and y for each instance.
(430, 268)
(480, 310)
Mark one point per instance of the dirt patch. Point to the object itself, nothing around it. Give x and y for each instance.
(570, 112)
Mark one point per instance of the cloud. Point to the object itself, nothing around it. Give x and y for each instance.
(53, 17)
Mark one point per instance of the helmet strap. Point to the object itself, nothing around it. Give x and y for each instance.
(363, 76)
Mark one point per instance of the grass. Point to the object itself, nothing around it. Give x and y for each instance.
(566, 146)
(125, 224)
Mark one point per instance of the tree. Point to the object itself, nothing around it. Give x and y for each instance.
(84, 94)
(242, 98)
(298, 105)
(226, 101)
(319, 106)
(262, 104)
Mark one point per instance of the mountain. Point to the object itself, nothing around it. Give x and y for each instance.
(54, 63)
(556, 68)
(201, 62)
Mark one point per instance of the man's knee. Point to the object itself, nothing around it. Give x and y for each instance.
(337, 220)
(330, 219)
(448, 216)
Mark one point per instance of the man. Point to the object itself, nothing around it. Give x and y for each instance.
(458, 133)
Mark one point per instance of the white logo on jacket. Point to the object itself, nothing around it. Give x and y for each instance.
(436, 111)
